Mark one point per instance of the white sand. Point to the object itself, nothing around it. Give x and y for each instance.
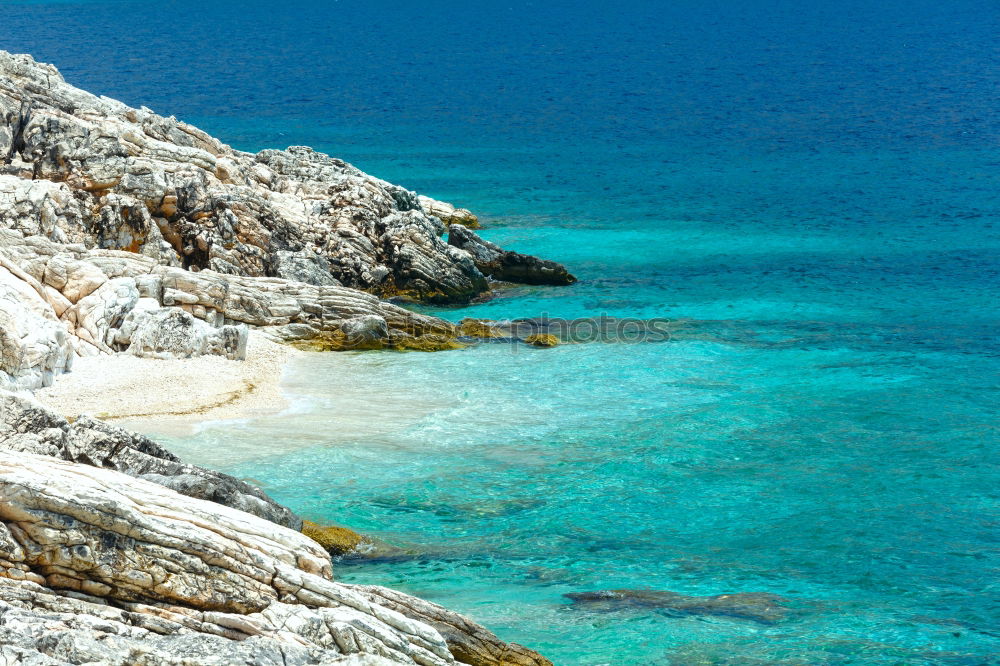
(173, 396)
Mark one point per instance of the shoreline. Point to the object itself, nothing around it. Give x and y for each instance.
(173, 397)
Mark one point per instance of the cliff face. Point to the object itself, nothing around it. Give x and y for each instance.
(86, 169)
(124, 231)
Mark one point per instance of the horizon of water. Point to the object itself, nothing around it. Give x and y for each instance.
(810, 190)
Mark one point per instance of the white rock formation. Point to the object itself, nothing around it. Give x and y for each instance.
(57, 300)
(100, 567)
(131, 558)
(87, 169)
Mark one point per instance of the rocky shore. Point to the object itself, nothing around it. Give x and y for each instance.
(125, 231)
(127, 234)
(114, 551)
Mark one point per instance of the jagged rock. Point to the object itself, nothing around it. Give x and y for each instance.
(447, 213)
(107, 301)
(305, 266)
(90, 633)
(757, 606)
(469, 642)
(174, 333)
(34, 344)
(129, 557)
(500, 264)
(115, 177)
(28, 426)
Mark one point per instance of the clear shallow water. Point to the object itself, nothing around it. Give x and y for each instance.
(813, 190)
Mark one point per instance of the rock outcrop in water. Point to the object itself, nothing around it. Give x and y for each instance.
(125, 232)
(100, 567)
(85, 169)
(504, 265)
(28, 427)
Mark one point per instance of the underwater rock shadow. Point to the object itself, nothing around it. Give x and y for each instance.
(761, 607)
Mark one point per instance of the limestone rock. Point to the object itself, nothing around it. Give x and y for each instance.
(447, 213)
(304, 266)
(28, 426)
(131, 558)
(87, 169)
(500, 264)
(121, 178)
(99, 567)
(34, 344)
(469, 642)
(174, 333)
(125, 302)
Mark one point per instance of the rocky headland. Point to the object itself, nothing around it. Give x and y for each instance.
(126, 236)
(126, 231)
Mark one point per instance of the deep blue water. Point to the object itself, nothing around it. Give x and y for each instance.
(812, 190)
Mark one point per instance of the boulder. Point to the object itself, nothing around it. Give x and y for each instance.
(447, 213)
(500, 264)
(34, 345)
(174, 333)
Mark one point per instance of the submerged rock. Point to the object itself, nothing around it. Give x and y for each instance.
(336, 540)
(542, 340)
(505, 265)
(347, 545)
(480, 328)
(756, 606)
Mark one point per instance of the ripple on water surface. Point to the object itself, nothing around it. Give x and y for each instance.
(696, 466)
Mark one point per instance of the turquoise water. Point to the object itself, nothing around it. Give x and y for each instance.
(803, 465)
(821, 425)
(810, 191)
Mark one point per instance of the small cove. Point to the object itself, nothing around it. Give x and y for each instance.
(810, 190)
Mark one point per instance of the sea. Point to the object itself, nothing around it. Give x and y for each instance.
(809, 192)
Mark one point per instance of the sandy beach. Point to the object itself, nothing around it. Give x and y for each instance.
(173, 396)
